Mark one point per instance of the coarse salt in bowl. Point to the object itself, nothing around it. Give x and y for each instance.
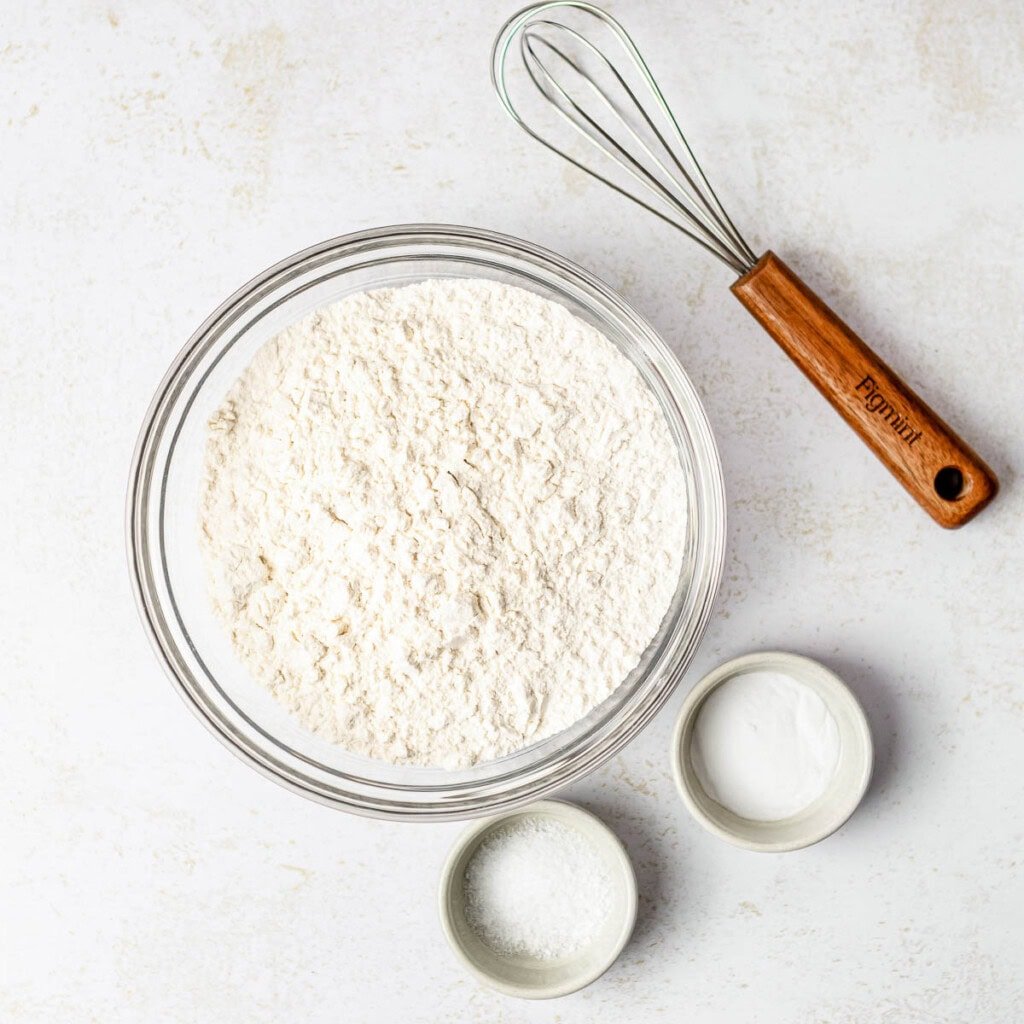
(518, 973)
(169, 576)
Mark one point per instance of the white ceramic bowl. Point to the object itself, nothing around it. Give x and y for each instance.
(830, 810)
(525, 976)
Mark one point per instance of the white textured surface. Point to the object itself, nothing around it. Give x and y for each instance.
(154, 156)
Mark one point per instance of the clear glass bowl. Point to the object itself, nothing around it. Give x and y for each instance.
(169, 576)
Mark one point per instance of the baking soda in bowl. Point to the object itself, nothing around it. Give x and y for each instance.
(765, 746)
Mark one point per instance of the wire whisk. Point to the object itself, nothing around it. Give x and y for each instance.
(659, 160)
(616, 106)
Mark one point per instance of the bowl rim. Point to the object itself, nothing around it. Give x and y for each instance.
(383, 803)
(562, 810)
(782, 661)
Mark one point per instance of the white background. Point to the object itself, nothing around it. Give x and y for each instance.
(154, 156)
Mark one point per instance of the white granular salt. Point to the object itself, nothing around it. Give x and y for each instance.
(441, 522)
(536, 888)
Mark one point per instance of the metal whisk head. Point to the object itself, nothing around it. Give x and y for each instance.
(591, 93)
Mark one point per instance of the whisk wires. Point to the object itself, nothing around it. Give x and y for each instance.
(658, 160)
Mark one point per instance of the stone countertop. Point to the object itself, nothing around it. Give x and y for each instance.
(155, 156)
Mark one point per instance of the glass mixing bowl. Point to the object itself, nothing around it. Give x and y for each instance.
(169, 576)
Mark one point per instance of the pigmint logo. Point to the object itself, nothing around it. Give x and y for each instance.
(875, 402)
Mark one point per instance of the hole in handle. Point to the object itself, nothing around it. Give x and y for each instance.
(949, 483)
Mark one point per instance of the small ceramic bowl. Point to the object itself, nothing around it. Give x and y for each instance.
(830, 810)
(525, 976)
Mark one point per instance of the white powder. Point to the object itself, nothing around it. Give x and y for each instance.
(537, 888)
(441, 522)
(764, 745)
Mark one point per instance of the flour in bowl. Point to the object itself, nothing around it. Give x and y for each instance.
(441, 522)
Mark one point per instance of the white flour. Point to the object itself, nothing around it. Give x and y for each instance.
(441, 522)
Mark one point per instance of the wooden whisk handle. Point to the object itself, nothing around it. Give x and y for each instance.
(940, 471)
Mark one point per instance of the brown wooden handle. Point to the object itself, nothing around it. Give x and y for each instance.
(939, 470)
